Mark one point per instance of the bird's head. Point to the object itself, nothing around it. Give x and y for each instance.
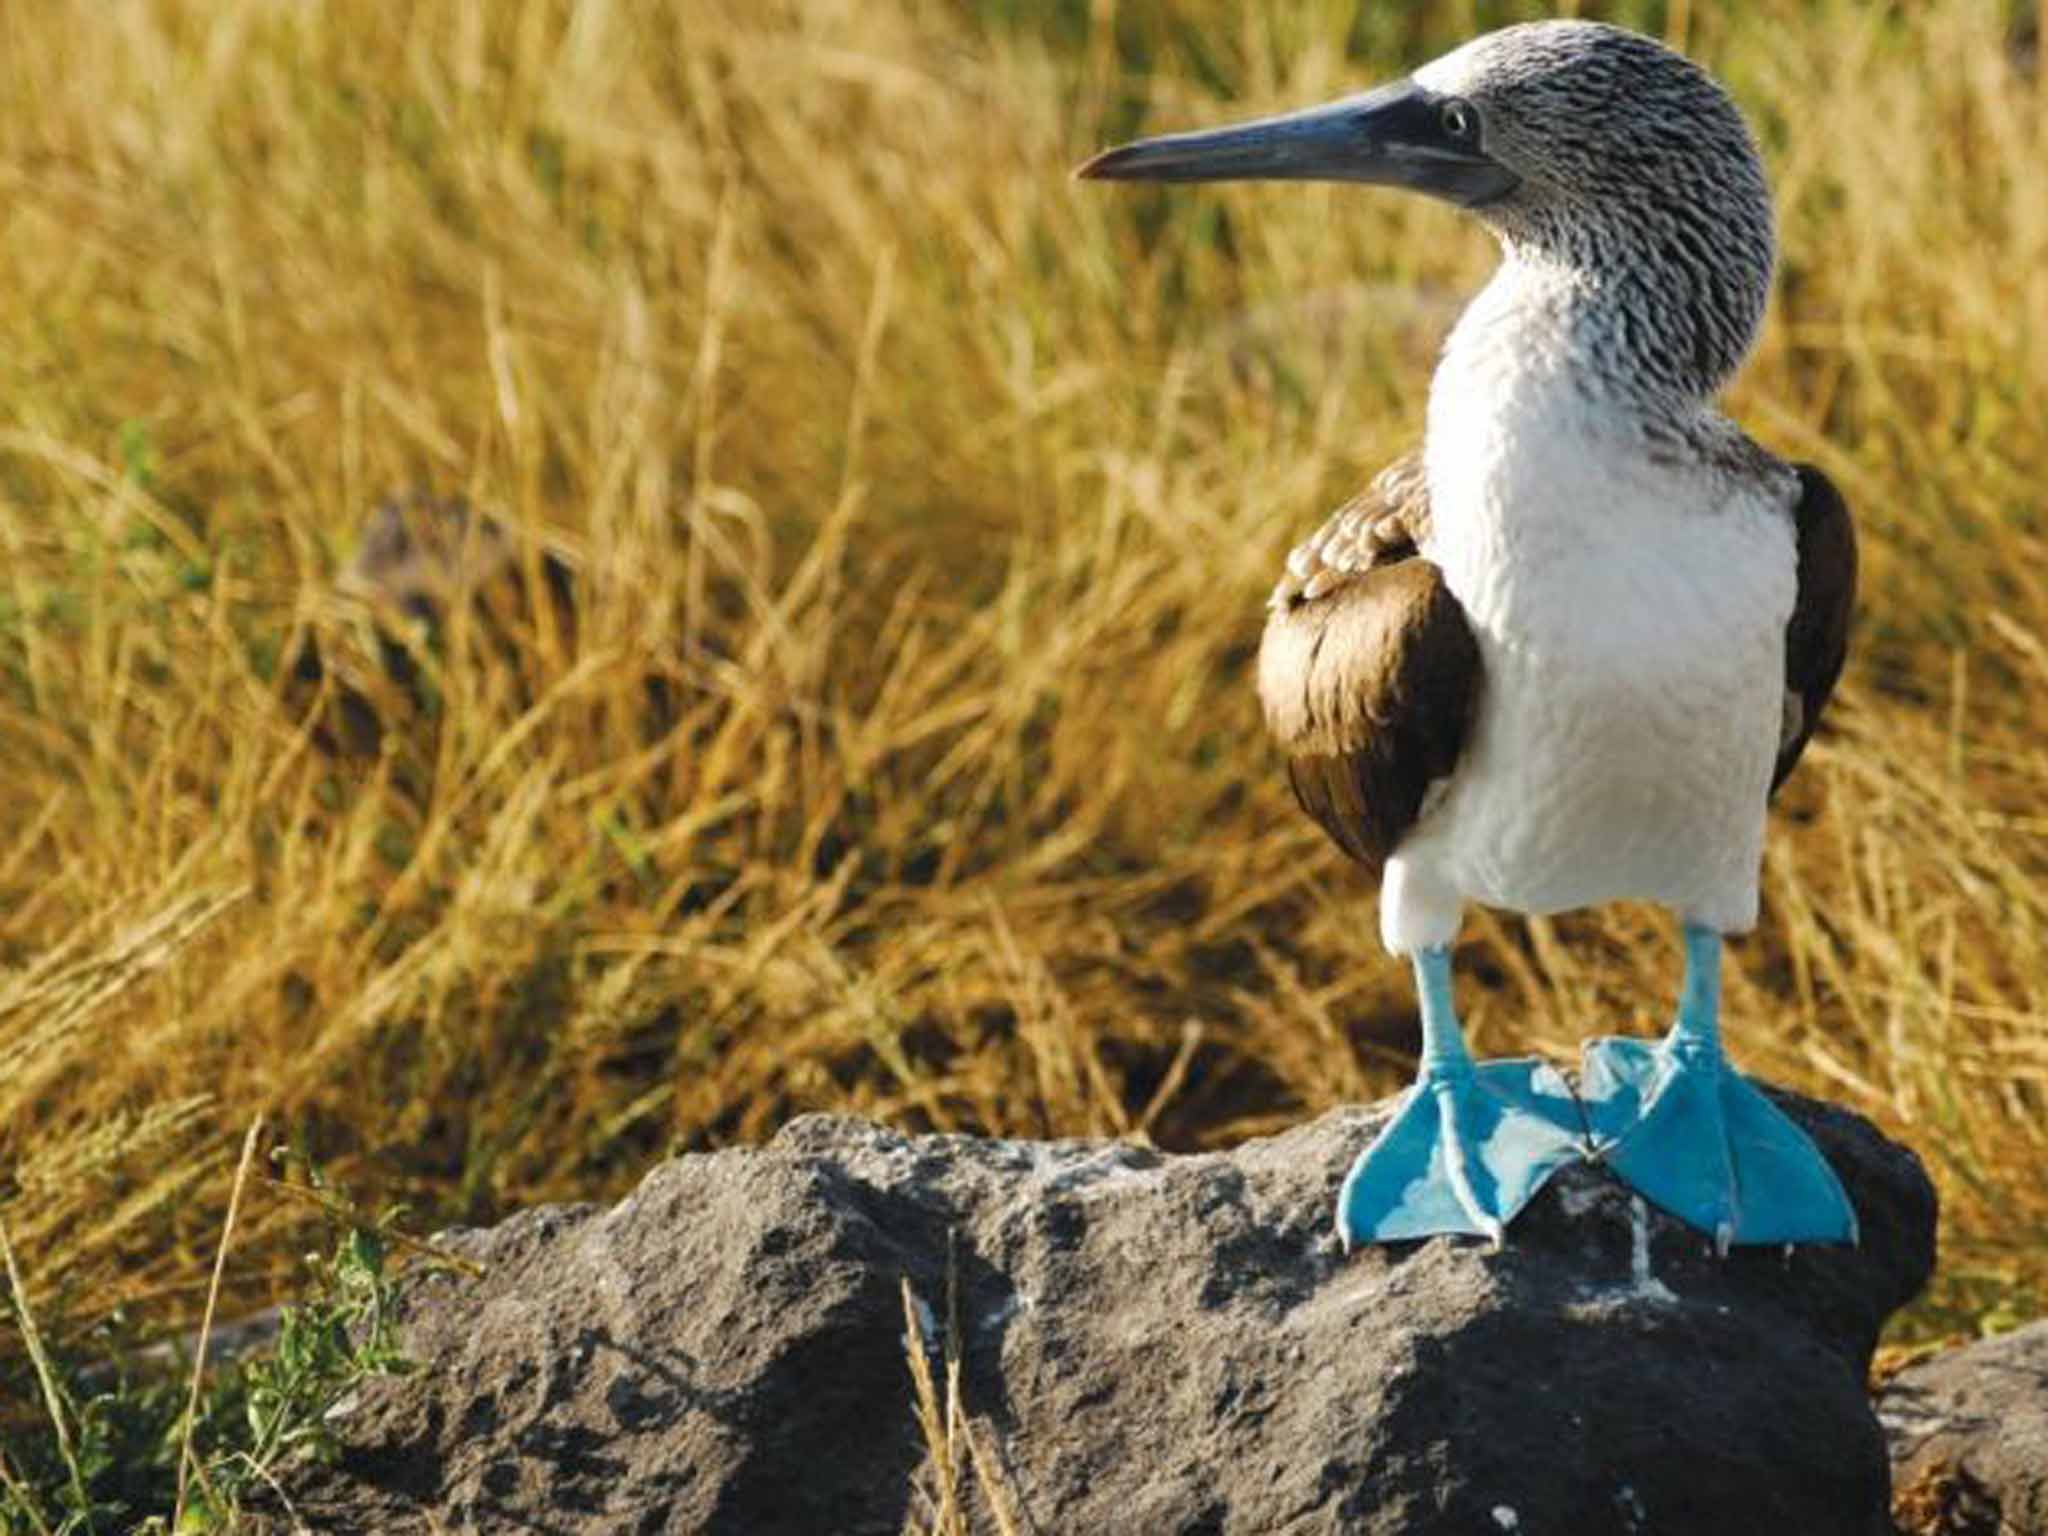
(1575, 142)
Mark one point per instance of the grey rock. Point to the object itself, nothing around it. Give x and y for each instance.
(1147, 1343)
(1969, 1438)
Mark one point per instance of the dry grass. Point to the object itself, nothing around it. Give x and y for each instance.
(940, 495)
(962, 1475)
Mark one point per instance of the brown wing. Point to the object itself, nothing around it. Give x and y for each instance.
(1368, 670)
(1817, 639)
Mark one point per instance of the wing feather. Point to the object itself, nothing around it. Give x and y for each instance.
(1368, 670)
(1817, 639)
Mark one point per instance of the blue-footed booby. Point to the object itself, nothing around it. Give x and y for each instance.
(1564, 652)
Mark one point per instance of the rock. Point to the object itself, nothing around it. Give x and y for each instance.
(1969, 1438)
(1146, 1343)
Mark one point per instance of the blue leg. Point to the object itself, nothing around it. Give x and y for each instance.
(1681, 1126)
(1470, 1144)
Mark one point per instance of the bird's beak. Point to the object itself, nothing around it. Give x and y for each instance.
(1394, 137)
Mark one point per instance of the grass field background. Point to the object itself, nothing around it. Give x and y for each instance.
(935, 496)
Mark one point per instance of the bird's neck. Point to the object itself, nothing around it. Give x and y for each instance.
(1617, 360)
(1575, 342)
(1549, 434)
(1536, 421)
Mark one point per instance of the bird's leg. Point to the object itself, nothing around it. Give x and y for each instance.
(1683, 1128)
(1471, 1143)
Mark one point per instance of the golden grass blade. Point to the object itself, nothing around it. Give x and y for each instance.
(933, 1416)
(25, 1501)
(220, 1262)
(988, 1477)
(46, 1376)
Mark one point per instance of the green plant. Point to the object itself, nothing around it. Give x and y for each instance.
(105, 1455)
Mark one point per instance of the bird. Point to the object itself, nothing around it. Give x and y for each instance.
(1564, 651)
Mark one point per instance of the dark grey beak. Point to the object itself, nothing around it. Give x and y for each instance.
(1397, 136)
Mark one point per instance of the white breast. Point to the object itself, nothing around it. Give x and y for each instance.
(1631, 615)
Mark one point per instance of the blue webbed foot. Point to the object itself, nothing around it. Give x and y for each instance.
(1467, 1150)
(1694, 1137)
(1678, 1124)
(1470, 1145)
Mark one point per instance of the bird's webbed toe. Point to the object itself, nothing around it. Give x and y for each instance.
(1469, 1147)
(1693, 1136)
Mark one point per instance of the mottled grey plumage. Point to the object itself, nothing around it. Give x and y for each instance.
(1638, 173)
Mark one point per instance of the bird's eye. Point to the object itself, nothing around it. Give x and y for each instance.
(1460, 121)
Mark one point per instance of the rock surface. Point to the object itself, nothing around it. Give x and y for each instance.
(1147, 1343)
(1969, 1437)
